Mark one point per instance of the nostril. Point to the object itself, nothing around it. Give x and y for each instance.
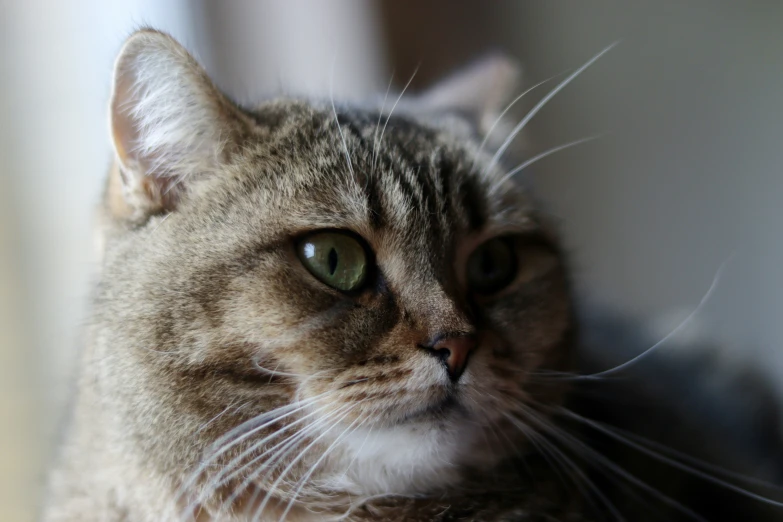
(441, 353)
(454, 350)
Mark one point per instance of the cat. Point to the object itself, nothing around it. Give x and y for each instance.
(312, 311)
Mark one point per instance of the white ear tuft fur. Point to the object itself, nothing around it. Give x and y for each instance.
(168, 121)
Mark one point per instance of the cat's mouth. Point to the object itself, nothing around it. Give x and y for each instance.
(438, 411)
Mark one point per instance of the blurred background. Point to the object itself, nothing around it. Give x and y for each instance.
(688, 172)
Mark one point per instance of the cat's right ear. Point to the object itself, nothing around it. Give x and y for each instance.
(480, 91)
(170, 126)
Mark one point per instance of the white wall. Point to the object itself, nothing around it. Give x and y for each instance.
(691, 170)
(56, 63)
(263, 47)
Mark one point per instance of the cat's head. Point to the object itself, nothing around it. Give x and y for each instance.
(364, 274)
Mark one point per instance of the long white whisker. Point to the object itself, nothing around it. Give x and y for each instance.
(337, 120)
(609, 505)
(378, 123)
(674, 463)
(276, 372)
(283, 448)
(671, 334)
(608, 464)
(220, 448)
(606, 473)
(290, 466)
(383, 131)
(279, 452)
(497, 121)
(307, 476)
(542, 445)
(248, 425)
(295, 406)
(692, 460)
(226, 442)
(538, 157)
(213, 419)
(223, 477)
(358, 452)
(541, 104)
(497, 432)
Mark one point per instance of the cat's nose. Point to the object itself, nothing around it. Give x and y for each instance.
(454, 350)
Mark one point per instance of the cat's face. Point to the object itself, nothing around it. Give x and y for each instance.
(371, 281)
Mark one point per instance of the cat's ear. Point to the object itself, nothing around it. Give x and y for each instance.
(481, 91)
(170, 125)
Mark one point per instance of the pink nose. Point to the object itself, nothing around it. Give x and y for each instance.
(454, 350)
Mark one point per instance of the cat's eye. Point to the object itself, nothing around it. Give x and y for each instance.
(492, 266)
(335, 258)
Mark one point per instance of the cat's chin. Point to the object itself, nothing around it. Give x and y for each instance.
(420, 454)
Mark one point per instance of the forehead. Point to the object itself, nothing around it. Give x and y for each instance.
(372, 173)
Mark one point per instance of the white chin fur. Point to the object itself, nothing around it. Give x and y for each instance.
(402, 460)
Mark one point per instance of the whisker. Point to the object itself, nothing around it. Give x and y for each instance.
(216, 417)
(672, 462)
(306, 477)
(604, 472)
(378, 124)
(590, 484)
(277, 372)
(696, 462)
(202, 467)
(222, 477)
(353, 382)
(493, 429)
(225, 443)
(538, 157)
(545, 449)
(497, 432)
(337, 119)
(161, 222)
(616, 369)
(671, 334)
(281, 450)
(263, 419)
(502, 114)
(575, 443)
(541, 104)
(383, 131)
(357, 453)
(290, 466)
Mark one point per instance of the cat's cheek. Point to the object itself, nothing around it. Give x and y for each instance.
(480, 383)
(531, 319)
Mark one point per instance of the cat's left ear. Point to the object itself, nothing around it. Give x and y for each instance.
(481, 91)
(169, 123)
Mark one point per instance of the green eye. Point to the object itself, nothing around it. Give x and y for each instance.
(492, 266)
(337, 259)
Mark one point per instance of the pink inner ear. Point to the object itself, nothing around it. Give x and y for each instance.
(483, 87)
(168, 121)
(124, 132)
(142, 186)
(155, 190)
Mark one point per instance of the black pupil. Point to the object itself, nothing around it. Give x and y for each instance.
(488, 263)
(332, 261)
